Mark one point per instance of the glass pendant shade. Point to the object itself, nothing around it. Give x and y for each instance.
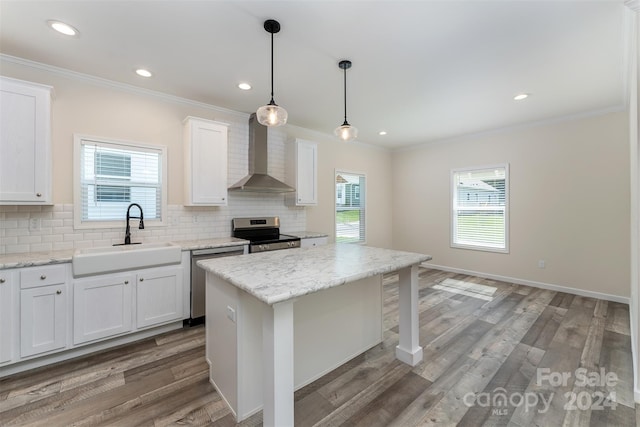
(346, 132)
(271, 115)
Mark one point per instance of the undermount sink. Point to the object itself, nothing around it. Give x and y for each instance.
(124, 257)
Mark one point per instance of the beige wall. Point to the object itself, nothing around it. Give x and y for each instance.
(374, 162)
(569, 190)
(569, 181)
(92, 107)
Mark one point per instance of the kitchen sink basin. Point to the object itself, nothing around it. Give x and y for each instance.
(124, 257)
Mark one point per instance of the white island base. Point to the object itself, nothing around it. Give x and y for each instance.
(329, 328)
(276, 321)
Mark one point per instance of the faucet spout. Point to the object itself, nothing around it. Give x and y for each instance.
(127, 232)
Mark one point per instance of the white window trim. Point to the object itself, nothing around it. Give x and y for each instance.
(77, 188)
(335, 207)
(506, 208)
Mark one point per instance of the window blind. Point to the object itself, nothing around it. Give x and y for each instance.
(115, 175)
(350, 207)
(480, 207)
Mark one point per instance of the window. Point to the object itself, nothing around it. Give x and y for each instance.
(110, 175)
(480, 201)
(350, 207)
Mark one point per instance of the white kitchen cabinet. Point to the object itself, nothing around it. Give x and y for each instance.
(102, 306)
(43, 309)
(25, 143)
(313, 241)
(7, 315)
(302, 172)
(158, 296)
(205, 162)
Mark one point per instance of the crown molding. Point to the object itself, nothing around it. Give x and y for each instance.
(522, 126)
(98, 81)
(633, 5)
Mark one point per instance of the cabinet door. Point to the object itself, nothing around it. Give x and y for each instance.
(307, 173)
(25, 143)
(205, 163)
(158, 296)
(102, 307)
(43, 319)
(6, 316)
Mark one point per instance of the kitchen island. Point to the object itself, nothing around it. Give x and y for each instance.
(279, 320)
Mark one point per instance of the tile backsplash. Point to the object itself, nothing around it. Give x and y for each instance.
(49, 228)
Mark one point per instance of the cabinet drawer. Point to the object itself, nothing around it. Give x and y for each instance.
(42, 276)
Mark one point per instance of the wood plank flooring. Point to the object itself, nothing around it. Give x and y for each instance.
(496, 354)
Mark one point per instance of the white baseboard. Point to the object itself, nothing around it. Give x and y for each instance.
(541, 285)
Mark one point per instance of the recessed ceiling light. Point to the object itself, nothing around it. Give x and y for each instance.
(244, 86)
(382, 132)
(143, 73)
(63, 28)
(520, 96)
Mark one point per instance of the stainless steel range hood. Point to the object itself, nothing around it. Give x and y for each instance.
(258, 180)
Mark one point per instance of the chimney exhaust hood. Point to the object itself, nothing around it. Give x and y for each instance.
(258, 180)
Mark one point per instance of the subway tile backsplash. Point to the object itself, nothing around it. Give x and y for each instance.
(49, 228)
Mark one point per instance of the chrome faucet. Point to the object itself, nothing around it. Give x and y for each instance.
(127, 233)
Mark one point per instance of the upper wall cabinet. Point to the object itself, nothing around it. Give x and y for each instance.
(302, 172)
(205, 162)
(25, 143)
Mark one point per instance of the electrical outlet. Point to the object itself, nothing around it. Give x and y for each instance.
(231, 314)
(34, 224)
(542, 263)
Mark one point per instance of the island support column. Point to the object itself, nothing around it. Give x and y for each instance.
(277, 353)
(408, 349)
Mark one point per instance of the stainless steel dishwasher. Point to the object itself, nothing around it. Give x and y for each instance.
(199, 276)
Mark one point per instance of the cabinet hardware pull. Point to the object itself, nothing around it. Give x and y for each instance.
(142, 279)
(58, 292)
(43, 277)
(39, 194)
(126, 282)
(1, 280)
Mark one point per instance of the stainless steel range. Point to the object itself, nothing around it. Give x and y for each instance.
(263, 233)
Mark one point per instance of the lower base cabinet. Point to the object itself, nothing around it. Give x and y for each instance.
(102, 307)
(43, 319)
(6, 316)
(44, 310)
(158, 296)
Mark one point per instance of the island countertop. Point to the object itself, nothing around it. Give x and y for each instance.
(278, 276)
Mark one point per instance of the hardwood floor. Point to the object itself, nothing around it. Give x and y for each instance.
(496, 354)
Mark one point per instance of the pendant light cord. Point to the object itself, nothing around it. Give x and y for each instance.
(272, 101)
(345, 97)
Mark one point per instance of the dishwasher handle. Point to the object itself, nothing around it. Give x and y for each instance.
(216, 251)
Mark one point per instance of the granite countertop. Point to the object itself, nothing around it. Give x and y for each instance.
(57, 257)
(305, 234)
(277, 276)
(220, 242)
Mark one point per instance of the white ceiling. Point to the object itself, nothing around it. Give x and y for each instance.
(422, 70)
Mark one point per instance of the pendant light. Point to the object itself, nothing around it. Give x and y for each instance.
(271, 114)
(346, 132)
